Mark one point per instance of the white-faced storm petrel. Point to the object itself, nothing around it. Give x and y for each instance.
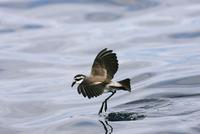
(100, 80)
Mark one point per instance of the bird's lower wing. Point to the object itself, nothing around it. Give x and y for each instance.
(91, 90)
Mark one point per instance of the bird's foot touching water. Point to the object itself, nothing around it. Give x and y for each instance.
(104, 103)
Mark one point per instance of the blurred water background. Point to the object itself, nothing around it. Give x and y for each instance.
(44, 43)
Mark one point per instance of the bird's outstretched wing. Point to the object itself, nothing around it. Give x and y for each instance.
(105, 65)
(90, 91)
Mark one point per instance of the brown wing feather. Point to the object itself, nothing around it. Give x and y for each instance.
(88, 90)
(105, 65)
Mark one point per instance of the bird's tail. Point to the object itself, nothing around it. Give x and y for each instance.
(125, 84)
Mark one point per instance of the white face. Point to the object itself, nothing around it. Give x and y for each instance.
(79, 79)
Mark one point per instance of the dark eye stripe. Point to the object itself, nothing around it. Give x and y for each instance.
(78, 79)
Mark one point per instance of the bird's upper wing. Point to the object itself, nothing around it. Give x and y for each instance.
(105, 65)
(88, 90)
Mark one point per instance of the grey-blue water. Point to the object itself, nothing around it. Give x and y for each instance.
(44, 43)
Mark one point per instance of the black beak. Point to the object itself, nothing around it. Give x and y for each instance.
(73, 84)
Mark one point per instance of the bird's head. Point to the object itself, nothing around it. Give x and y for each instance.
(78, 79)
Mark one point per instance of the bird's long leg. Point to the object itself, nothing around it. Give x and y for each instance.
(105, 108)
(101, 109)
(105, 103)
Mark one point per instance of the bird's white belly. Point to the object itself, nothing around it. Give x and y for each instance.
(106, 90)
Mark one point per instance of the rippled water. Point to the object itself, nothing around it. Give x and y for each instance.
(44, 43)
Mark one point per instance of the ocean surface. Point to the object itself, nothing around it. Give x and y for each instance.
(44, 43)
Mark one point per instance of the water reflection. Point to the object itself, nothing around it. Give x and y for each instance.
(107, 127)
(119, 116)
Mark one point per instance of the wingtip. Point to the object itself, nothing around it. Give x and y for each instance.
(106, 49)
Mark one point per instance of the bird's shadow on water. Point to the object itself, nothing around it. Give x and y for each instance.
(116, 117)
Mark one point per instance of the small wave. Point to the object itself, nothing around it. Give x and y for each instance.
(186, 35)
(124, 116)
